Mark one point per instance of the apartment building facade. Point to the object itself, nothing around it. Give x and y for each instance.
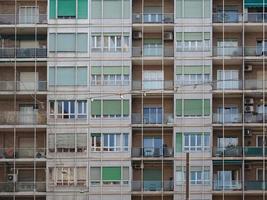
(132, 99)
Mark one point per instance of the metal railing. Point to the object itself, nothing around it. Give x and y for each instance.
(227, 185)
(167, 118)
(255, 185)
(152, 185)
(26, 19)
(255, 51)
(255, 84)
(23, 52)
(23, 86)
(152, 51)
(22, 153)
(152, 152)
(228, 85)
(153, 18)
(255, 17)
(230, 151)
(227, 17)
(255, 151)
(20, 118)
(22, 186)
(227, 51)
(255, 117)
(152, 85)
(199, 48)
(228, 118)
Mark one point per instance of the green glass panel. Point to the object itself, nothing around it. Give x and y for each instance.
(112, 9)
(96, 107)
(112, 70)
(179, 107)
(179, 142)
(82, 75)
(111, 173)
(82, 9)
(179, 69)
(52, 75)
(52, 9)
(66, 8)
(96, 70)
(96, 9)
(192, 36)
(152, 175)
(179, 8)
(112, 107)
(126, 106)
(206, 107)
(192, 107)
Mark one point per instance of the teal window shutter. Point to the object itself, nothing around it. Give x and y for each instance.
(96, 107)
(112, 9)
(82, 75)
(82, 9)
(66, 76)
(52, 9)
(207, 10)
(96, 70)
(111, 173)
(96, 9)
(206, 107)
(82, 42)
(52, 42)
(66, 42)
(126, 9)
(179, 8)
(112, 107)
(66, 8)
(179, 107)
(193, 107)
(126, 109)
(179, 142)
(193, 8)
(52, 75)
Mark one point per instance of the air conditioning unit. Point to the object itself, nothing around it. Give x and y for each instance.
(248, 68)
(12, 178)
(249, 101)
(249, 109)
(168, 36)
(137, 35)
(247, 132)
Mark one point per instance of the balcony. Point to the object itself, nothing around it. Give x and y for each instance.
(10, 153)
(151, 152)
(23, 86)
(23, 52)
(21, 118)
(229, 151)
(255, 185)
(256, 17)
(227, 85)
(153, 18)
(255, 84)
(167, 118)
(227, 17)
(152, 186)
(152, 51)
(228, 118)
(255, 151)
(227, 51)
(26, 19)
(255, 117)
(255, 51)
(22, 187)
(152, 85)
(219, 185)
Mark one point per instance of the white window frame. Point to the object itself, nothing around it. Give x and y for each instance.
(196, 148)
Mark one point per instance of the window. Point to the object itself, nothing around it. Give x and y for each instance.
(68, 109)
(192, 41)
(153, 47)
(67, 176)
(111, 108)
(110, 42)
(187, 75)
(261, 141)
(196, 142)
(228, 47)
(153, 79)
(198, 175)
(68, 42)
(227, 79)
(67, 76)
(112, 9)
(192, 107)
(67, 142)
(193, 8)
(66, 9)
(226, 142)
(153, 115)
(228, 114)
(110, 175)
(28, 14)
(110, 142)
(112, 76)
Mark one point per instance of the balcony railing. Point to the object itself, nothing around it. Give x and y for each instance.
(227, 17)
(227, 85)
(10, 153)
(152, 51)
(27, 19)
(256, 17)
(23, 52)
(227, 185)
(230, 151)
(255, 117)
(255, 151)
(21, 118)
(153, 18)
(167, 118)
(227, 51)
(152, 85)
(255, 84)
(23, 86)
(152, 186)
(255, 185)
(152, 152)
(228, 118)
(22, 187)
